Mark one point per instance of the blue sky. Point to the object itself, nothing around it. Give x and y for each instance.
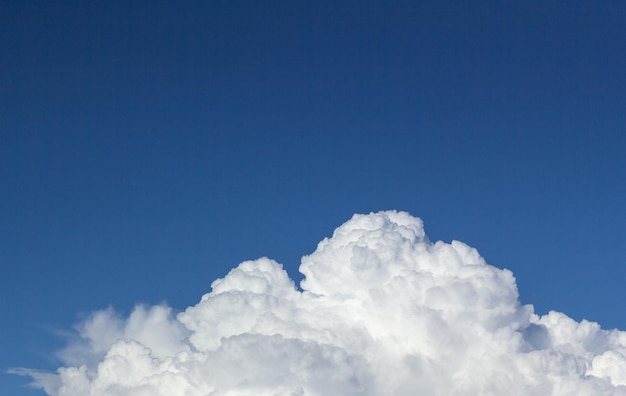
(148, 148)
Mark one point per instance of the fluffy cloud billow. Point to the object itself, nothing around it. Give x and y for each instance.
(381, 311)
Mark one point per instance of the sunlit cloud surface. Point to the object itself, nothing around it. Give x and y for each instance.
(381, 311)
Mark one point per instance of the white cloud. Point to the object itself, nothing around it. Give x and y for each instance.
(382, 311)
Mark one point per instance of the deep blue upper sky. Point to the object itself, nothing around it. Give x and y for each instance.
(148, 147)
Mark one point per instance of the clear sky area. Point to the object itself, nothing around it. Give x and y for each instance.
(149, 147)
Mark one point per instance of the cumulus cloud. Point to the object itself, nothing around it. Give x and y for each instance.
(381, 311)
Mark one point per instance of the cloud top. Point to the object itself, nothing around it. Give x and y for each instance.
(382, 310)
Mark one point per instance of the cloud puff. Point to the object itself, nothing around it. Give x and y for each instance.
(381, 311)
